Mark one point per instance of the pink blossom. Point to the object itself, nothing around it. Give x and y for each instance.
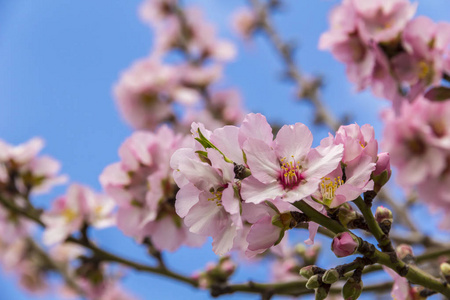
(287, 167)
(344, 244)
(401, 289)
(357, 165)
(142, 186)
(244, 22)
(31, 172)
(68, 213)
(409, 142)
(154, 11)
(207, 199)
(347, 46)
(145, 92)
(381, 20)
(201, 43)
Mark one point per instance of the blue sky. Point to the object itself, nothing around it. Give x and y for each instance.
(60, 58)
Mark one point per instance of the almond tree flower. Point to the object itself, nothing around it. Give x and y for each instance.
(346, 45)
(145, 92)
(68, 213)
(353, 176)
(201, 41)
(401, 290)
(207, 199)
(286, 265)
(154, 11)
(244, 22)
(435, 192)
(229, 105)
(142, 186)
(287, 168)
(13, 227)
(199, 76)
(357, 141)
(25, 170)
(269, 223)
(335, 191)
(381, 20)
(408, 142)
(224, 108)
(422, 63)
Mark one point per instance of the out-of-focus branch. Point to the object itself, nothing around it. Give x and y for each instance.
(308, 87)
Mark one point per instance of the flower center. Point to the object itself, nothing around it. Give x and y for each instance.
(290, 173)
(424, 70)
(69, 214)
(328, 188)
(216, 197)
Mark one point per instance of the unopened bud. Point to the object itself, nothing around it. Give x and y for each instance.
(404, 251)
(307, 271)
(330, 276)
(346, 214)
(228, 268)
(321, 293)
(384, 218)
(352, 289)
(382, 172)
(313, 282)
(445, 269)
(382, 213)
(344, 244)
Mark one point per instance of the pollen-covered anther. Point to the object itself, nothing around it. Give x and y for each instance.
(328, 188)
(290, 173)
(217, 197)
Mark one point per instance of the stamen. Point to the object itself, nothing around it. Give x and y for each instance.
(290, 173)
(328, 188)
(217, 197)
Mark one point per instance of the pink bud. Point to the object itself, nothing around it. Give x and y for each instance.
(382, 213)
(228, 267)
(403, 251)
(344, 244)
(383, 164)
(382, 172)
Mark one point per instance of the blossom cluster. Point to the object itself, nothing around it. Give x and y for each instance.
(79, 207)
(238, 184)
(24, 172)
(388, 50)
(149, 92)
(420, 149)
(143, 188)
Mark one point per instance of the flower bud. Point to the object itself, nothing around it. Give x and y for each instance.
(404, 251)
(307, 271)
(344, 244)
(445, 269)
(382, 213)
(382, 171)
(330, 276)
(228, 267)
(346, 214)
(313, 282)
(352, 289)
(384, 218)
(321, 293)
